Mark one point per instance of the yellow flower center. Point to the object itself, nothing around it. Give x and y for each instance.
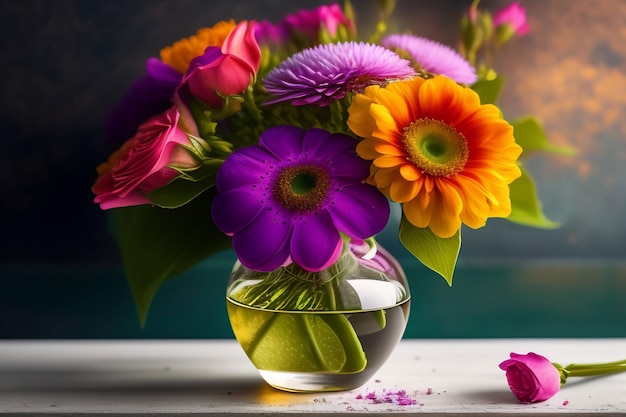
(302, 188)
(435, 147)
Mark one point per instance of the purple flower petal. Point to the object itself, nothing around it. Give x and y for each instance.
(235, 210)
(372, 206)
(242, 169)
(433, 57)
(264, 244)
(283, 141)
(325, 73)
(326, 146)
(316, 243)
(147, 97)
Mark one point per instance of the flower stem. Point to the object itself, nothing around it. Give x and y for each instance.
(590, 369)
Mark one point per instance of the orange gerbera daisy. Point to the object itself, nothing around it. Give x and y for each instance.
(438, 151)
(180, 53)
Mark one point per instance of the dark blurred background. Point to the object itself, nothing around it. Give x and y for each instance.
(65, 64)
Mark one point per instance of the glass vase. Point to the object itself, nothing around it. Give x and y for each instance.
(324, 331)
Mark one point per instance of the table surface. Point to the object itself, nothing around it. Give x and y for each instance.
(205, 377)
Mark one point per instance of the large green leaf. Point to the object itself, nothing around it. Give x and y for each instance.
(438, 254)
(488, 89)
(525, 205)
(158, 243)
(529, 134)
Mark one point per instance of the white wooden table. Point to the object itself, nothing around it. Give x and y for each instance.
(213, 377)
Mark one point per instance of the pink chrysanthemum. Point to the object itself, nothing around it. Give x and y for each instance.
(433, 57)
(323, 74)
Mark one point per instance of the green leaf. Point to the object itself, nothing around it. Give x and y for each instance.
(488, 89)
(158, 243)
(438, 254)
(529, 134)
(297, 342)
(188, 185)
(525, 205)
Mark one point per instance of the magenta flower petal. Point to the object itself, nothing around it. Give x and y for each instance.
(515, 15)
(433, 57)
(320, 230)
(325, 73)
(531, 377)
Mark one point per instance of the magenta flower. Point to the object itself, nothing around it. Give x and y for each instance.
(325, 73)
(433, 57)
(513, 15)
(531, 377)
(293, 188)
(304, 26)
(224, 71)
(144, 163)
(309, 22)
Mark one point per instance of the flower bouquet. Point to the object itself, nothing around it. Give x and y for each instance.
(289, 142)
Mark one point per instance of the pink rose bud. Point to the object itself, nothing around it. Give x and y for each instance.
(531, 377)
(513, 15)
(225, 71)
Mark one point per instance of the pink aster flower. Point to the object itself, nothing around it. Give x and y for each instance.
(513, 15)
(325, 73)
(296, 186)
(433, 57)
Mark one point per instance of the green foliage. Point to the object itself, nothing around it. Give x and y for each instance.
(438, 254)
(530, 136)
(488, 89)
(306, 342)
(158, 243)
(525, 205)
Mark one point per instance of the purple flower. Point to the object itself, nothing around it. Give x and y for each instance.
(147, 97)
(289, 199)
(323, 74)
(433, 57)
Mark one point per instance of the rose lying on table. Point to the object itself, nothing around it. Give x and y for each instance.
(533, 378)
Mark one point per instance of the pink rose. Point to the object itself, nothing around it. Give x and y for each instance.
(513, 15)
(531, 377)
(142, 164)
(224, 71)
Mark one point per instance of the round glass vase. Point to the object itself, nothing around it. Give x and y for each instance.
(325, 331)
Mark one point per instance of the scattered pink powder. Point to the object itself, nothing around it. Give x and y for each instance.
(399, 397)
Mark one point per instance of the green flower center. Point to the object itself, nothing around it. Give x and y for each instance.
(302, 188)
(436, 147)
